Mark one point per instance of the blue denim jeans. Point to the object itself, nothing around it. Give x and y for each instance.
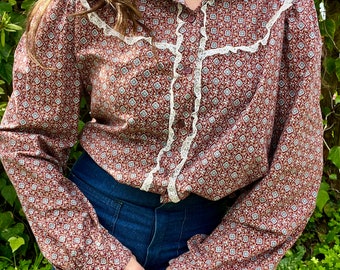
(154, 232)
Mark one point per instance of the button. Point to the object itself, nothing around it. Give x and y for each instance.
(180, 123)
(187, 70)
(191, 18)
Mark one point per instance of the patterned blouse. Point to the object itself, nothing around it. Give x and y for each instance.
(214, 100)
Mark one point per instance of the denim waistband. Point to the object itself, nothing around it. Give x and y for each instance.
(87, 170)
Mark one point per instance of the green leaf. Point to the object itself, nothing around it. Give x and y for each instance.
(5, 254)
(6, 220)
(324, 186)
(22, 213)
(15, 243)
(27, 4)
(328, 43)
(6, 72)
(331, 236)
(334, 156)
(329, 64)
(322, 199)
(333, 176)
(326, 110)
(12, 2)
(18, 19)
(25, 265)
(5, 52)
(2, 182)
(15, 230)
(337, 68)
(5, 7)
(13, 26)
(3, 38)
(337, 99)
(329, 209)
(3, 106)
(81, 125)
(330, 27)
(83, 103)
(8, 192)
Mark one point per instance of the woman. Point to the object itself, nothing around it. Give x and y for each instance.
(205, 146)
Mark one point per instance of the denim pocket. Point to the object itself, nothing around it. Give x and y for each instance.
(106, 208)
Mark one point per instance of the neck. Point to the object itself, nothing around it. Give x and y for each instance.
(193, 4)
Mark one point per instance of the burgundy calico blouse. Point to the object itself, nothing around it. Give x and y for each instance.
(222, 98)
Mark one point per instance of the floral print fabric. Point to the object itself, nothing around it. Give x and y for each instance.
(221, 99)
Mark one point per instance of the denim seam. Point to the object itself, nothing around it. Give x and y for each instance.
(152, 239)
(182, 228)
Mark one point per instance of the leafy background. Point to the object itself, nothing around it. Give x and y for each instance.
(318, 247)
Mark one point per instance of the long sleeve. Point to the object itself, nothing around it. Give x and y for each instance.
(271, 215)
(37, 131)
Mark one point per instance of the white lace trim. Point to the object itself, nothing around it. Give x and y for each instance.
(172, 192)
(148, 181)
(109, 31)
(254, 47)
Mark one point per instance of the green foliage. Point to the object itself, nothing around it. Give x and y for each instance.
(17, 243)
(333, 155)
(12, 18)
(318, 248)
